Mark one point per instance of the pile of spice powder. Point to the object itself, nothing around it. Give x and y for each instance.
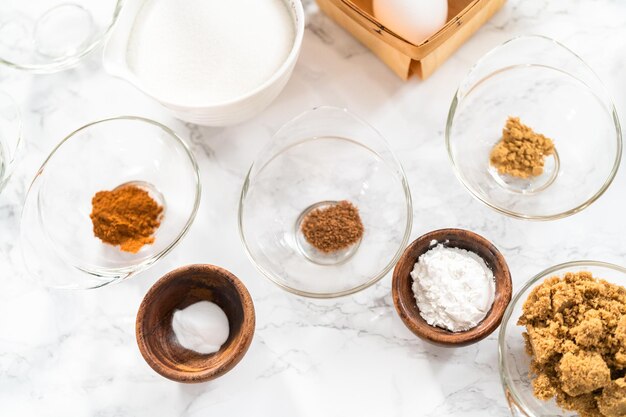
(576, 334)
(521, 152)
(126, 216)
(333, 228)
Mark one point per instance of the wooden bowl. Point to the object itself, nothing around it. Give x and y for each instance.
(405, 303)
(177, 290)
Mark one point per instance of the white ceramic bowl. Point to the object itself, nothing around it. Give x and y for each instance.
(222, 114)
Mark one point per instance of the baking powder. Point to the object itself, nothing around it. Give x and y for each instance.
(454, 288)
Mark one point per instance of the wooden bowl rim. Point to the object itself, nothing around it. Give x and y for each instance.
(417, 325)
(244, 338)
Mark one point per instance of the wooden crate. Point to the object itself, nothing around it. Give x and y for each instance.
(464, 18)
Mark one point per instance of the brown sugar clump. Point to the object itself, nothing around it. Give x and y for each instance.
(521, 152)
(576, 335)
(612, 402)
(333, 228)
(583, 373)
(589, 332)
(126, 216)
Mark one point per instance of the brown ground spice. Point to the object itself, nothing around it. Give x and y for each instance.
(521, 152)
(576, 334)
(333, 228)
(126, 216)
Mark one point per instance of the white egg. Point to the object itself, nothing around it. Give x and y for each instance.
(414, 20)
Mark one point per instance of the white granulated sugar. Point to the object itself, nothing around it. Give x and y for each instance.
(202, 52)
(454, 288)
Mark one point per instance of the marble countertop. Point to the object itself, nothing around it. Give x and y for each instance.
(74, 353)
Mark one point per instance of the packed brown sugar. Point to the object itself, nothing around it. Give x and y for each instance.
(576, 334)
(521, 152)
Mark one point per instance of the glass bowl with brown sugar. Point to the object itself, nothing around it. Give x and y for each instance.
(532, 132)
(325, 210)
(112, 198)
(562, 343)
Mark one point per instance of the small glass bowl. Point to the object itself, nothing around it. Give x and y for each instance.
(10, 136)
(58, 243)
(515, 362)
(45, 36)
(321, 157)
(554, 92)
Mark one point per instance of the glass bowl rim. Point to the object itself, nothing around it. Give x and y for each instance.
(408, 202)
(71, 60)
(509, 388)
(19, 139)
(128, 271)
(611, 109)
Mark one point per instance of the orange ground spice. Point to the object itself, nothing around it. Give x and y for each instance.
(126, 217)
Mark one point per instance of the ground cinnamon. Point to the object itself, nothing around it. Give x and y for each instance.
(333, 228)
(126, 216)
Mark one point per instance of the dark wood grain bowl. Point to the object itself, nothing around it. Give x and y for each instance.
(177, 290)
(404, 300)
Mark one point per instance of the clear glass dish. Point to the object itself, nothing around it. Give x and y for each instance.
(321, 157)
(57, 239)
(50, 35)
(515, 362)
(10, 136)
(553, 91)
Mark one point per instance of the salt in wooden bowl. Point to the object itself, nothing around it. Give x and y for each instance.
(178, 290)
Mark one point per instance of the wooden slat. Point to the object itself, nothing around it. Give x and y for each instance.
(425, 67)
(395, 59)
(404, 58)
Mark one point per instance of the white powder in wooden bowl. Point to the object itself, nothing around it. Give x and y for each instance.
(202, 52)
(202, 327)
(454, 288)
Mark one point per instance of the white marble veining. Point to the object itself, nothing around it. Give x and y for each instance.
(74, 353)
